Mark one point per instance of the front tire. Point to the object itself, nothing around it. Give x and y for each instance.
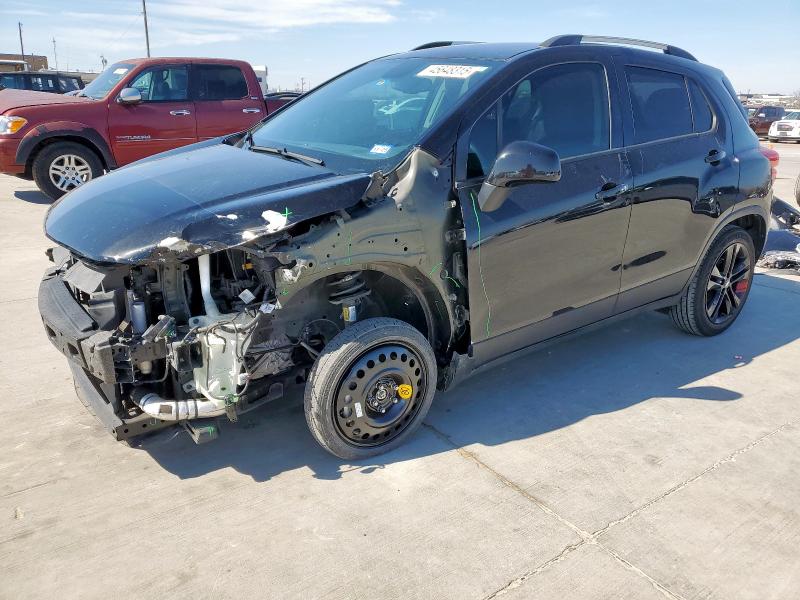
(719, 289)
(63, 166)
(370, 388)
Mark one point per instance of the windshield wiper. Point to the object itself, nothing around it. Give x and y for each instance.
(284, 152)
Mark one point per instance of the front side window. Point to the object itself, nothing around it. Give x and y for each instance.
(218, 82)
(660, 104)
(163, 84)
(68, 84)
(375, 113)
(564, 107)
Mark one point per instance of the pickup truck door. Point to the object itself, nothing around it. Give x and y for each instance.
(163, 120)
(223, 101)
(547, 260)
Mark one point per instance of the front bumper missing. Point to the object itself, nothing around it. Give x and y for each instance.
(74, 333)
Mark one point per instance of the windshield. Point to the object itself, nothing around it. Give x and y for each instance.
(370, 117)
(792, 116)
(100, 87)
(751, 112)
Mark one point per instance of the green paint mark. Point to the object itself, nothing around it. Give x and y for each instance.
(284, 292)
(434, 268)
(480, 264)
(458, 285)
(287, 213)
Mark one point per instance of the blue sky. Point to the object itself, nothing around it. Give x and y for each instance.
(756, 43)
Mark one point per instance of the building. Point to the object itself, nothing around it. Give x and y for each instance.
(14, 62)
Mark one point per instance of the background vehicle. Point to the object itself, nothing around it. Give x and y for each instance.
(761, 117)
(37, 81)
(134, 109)
(385, 253)
(787, 129)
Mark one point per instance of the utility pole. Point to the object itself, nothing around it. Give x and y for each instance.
(146, 32)
(55, 56)
(21, 47)
(302, 84)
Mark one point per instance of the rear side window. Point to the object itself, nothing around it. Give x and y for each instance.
(13, 82)
(219, 82)
(701, 112)
(43, 83)
(660, 104)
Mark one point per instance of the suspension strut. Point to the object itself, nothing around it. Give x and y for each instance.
(347, 290)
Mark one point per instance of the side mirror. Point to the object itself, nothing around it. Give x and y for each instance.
(519, 163)
(761, 116)
(129, 96)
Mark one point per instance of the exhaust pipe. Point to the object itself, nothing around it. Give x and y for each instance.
(177, 410)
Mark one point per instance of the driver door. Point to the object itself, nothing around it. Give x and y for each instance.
(548, 259)
(163, 120)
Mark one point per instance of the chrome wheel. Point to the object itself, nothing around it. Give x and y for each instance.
(68, 171)
(728, 283)
(379, 396)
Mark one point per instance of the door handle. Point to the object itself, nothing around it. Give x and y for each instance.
(179, 113)
(610, 191)
(715, 156)
(251, 110)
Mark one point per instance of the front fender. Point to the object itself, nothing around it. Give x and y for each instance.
(56, 129)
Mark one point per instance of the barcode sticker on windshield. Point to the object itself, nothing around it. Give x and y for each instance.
(453, 71)
(380, 149)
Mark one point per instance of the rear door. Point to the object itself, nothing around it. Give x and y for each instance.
(684, 175)
(223, 101)
(163, 120)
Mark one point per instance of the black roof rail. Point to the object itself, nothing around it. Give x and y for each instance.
(439, 45)
(574, 40)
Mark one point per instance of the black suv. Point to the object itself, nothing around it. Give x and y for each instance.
(412, 221)
(56, 83)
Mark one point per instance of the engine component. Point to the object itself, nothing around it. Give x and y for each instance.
(177, 410)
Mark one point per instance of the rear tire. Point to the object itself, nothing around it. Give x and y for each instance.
(797, 190)
(717, 293)
(370, 388)
(63, 166)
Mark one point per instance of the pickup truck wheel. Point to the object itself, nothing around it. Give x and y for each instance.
(719, 288)
(63, 166)
(370, 388)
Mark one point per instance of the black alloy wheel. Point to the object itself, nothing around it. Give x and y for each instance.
(728, 283)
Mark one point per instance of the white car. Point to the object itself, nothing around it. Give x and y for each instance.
(786, 129)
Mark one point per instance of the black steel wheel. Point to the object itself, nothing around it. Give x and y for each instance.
(719, 288)
(370, 388)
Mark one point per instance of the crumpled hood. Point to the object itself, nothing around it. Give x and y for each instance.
(22, 98)
(195, 202)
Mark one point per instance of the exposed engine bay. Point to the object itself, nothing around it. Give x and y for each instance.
(174, 338)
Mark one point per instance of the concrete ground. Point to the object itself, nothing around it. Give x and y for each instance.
(635, 462)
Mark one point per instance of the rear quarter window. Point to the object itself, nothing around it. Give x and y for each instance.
(701, 112)
(659, 103)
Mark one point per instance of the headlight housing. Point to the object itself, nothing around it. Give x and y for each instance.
(9, 125)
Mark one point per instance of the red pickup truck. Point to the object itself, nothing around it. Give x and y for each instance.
(134, 109)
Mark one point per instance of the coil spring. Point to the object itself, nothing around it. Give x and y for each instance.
(347, 288)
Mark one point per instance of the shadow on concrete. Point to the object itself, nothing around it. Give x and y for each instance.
(32, 196)
(603, 371)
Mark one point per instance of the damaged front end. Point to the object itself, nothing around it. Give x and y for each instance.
(182, 310)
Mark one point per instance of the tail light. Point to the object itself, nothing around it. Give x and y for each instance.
(774, 158)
